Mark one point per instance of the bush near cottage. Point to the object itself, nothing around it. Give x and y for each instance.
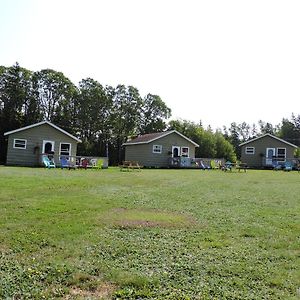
(155, 234)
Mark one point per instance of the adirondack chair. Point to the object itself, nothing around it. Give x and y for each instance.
(48, 163)
(276, 165)
(203, 166)
(64, 163)
(98, 164)
(288, 166)
(228, 166)
(213, 164)
(84, 163)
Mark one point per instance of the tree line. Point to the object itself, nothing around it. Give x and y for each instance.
(103, 117)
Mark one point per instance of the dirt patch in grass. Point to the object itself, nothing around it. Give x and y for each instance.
(103, 291)
(142, 218)
(4, 249)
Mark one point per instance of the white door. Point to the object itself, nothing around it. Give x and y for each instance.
(175, 151)
(48, 146)
(270, 153)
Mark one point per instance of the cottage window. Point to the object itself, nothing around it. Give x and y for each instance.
(281, 154)
(250, 150)
(65, 149)
(185, 151)
(20, 144)
(157, 149)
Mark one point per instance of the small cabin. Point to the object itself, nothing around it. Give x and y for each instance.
(26, 145)
(261, 152)
(161, 150)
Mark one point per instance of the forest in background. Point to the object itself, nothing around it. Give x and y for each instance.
(104, 117)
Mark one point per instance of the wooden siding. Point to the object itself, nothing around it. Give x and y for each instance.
(143, 152)
(256, 160)
(35, 137)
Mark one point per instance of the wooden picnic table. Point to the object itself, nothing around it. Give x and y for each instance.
(237, 165)
(130, 165)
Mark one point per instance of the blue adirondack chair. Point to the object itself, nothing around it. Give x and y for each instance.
(228, 166)
(47, 162)
(64, 163)
(276, 165)
(288, 166)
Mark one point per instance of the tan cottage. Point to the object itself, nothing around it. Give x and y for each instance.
(26, 145)
(160, 150)
(262, 151)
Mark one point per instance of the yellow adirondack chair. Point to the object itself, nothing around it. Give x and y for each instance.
(98, 165)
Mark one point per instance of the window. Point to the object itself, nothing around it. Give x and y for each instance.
(65, 149)
(185, 151)
(157, 149)
(20, 144)
(281, 154)
(250, 150)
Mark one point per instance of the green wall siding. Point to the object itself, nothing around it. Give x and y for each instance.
(256, 160)
(35, 137)
(143, 152)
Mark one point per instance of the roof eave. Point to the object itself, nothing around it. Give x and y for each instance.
(270, 135)
(41, 123)
(161, 136)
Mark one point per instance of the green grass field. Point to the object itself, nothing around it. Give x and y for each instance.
(154, 234)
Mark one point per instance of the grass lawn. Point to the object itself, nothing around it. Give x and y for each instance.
(154, 234)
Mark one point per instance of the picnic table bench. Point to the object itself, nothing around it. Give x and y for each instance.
(130, 165)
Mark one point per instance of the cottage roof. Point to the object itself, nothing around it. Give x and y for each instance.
(270, 135)
(150, 137)
(42, 123)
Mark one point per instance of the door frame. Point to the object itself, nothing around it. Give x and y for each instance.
(176, 147)
(269, 160)
(44, 144)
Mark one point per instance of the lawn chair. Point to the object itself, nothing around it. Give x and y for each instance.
(203, 166)
(64, 163)
(213, 164)
(287, 166)
(228, 166)
(48, 163)
(98, 164)
(84, 163)
(276, 165)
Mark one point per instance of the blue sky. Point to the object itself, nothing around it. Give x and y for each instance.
(218, 61)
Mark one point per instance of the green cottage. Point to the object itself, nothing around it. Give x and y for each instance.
(26, 145)
(161, 150)
(263, 151)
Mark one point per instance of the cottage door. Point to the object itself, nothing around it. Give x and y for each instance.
(270, 153)
(175, 151)
(48, 147)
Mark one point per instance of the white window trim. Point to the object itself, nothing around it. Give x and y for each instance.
(252, 152)
(157, 147)
(188, 152)
(284, 159)
(22, 148)
(69, 149)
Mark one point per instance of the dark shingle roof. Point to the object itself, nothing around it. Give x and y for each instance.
(149, 137)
